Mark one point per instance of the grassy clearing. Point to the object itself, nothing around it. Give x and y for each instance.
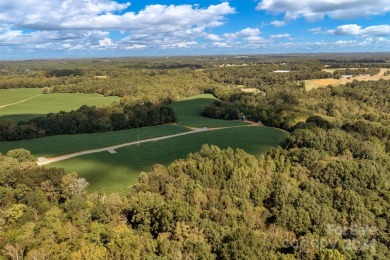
(62, 144)
(116, 172)
(44, 104)
(319, 83)
(189, 112)
(8, 96)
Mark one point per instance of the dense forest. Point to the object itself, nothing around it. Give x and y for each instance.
(216, 204)
(324, 195)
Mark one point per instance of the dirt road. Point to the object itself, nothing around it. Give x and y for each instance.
(111, 149)
(21, 101)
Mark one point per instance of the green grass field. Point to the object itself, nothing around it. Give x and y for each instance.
(61, 144)
(8, 96)
(116, 172)
(24, 104)
(189, 112)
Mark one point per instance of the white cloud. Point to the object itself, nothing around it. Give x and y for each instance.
(318, 9)
(90, 25)
(51, 14)
(135, 46)
(254, 38)
(213, 37)
(279, 36)
(107, 14)
(315, 30)
(247, 32)
(51, 39)
(10, 36)
(344, 43)
(357, 30)
(221, 44)
(278, 23)
(75, 24)
(107, 43)
(186, 44)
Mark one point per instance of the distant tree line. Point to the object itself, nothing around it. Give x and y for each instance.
(256, 76)
(88, 120)
(64, 72)
(355, 72)
(157, 79)
(356, 63)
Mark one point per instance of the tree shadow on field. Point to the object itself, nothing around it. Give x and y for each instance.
(19, 117)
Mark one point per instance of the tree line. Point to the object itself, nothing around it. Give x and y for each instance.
(355, 72)
(88, 119)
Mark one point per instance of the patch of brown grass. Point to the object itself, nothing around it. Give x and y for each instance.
(250, 90)
(319, 83)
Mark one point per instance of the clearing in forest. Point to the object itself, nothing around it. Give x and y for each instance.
(115, 169)
(318, 83)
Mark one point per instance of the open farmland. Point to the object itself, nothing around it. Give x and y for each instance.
(318, 83)
(24, 104)
(63, 144)
(189, 116)
(11, 96)
(116, 172)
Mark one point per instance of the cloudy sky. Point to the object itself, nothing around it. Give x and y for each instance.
(98, 28)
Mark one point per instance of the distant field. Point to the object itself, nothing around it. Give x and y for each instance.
(189, 112)
(62, 144)
(250, 90)
(116, 172)
(24, 104)
(318, 83)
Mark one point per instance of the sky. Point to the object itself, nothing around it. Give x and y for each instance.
(35, 29)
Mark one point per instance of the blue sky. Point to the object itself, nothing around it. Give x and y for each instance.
(31, 29)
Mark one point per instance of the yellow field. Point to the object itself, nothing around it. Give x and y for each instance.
(250, 90)
(318, 83)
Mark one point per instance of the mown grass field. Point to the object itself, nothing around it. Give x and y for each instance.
(24, 104)
(116, 172)
(189, 113)
(8, 96)
(62, 144)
